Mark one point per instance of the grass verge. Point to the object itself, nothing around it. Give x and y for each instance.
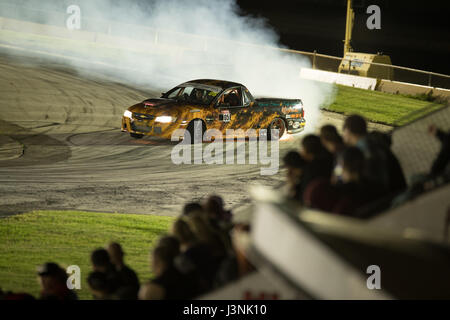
(378, 106)
(67, 238)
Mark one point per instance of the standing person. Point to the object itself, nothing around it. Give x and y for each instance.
(443, 158)
(129, 282)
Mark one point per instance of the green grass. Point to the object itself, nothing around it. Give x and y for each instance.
(378, 106)
(67, 238)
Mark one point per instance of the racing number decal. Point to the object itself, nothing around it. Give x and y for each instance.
(225, 116)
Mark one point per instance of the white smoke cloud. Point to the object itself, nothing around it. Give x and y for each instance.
(201, 39)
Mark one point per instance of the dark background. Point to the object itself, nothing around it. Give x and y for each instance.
(414, 33)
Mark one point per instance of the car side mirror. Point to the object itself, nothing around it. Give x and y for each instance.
(163, 94)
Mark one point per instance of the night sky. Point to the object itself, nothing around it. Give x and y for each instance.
(414, 33)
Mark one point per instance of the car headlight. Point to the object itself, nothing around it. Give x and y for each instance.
(165, 119)
(128, 114)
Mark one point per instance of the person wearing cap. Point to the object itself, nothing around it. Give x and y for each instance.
(53, 282)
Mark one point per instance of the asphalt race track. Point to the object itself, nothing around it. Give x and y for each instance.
(75, 156)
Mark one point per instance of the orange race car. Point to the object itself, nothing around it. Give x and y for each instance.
(218, 105)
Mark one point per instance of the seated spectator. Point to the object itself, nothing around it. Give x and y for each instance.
(53, 282)
(129, 282)
(397, 181)
(215, 210)
(170, 242)
(101, 262)
(192, 207)
(381, 166)
(169, 283)
(295, 164)
(352, 190)
(196, 259)
(331, 140)
(100, 286)
(319, 162)
(348, 193)
(219, 219)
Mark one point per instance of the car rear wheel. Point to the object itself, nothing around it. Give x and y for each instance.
(136, 135)
(276, 124)
(194, 132)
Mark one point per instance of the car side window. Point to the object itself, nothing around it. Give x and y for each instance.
(174, 93)
(233, 97)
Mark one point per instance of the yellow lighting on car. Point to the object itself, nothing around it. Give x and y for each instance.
(165, 119)
(128, 114)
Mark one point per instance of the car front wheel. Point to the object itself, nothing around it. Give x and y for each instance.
(276, 124)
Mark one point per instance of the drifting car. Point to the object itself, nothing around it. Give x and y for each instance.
(218, 104)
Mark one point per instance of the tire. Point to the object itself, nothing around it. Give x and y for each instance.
(190, 139)
(136, 135)
(279, 124)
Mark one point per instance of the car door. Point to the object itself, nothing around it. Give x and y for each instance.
(227, 107)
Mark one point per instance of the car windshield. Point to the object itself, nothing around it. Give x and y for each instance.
(194, 93)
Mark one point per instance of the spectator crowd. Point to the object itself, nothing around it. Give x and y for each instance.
(354, 174)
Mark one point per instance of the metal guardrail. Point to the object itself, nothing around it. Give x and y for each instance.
(204, 43)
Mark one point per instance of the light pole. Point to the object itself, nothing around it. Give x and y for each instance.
(349, 28)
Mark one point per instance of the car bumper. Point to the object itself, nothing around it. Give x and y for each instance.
(148, 128)
(295, 125)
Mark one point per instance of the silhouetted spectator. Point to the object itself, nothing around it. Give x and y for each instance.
(169, 283)
(171, 243)
(381, 166)
(443, 158)
(319, 162)
(215, 209)
(196, 259)
(53, 282)
(352, 190)
(100, 286)
(192, 207)
(101, 262)
(128, 280)
(295, 164)
(331, 139)
(219, 219)
(397, 181)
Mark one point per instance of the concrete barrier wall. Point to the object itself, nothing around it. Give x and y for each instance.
(339, 78)
(413, 89)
